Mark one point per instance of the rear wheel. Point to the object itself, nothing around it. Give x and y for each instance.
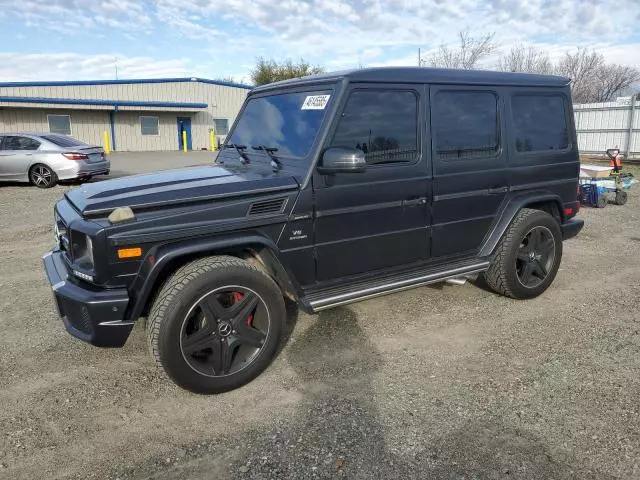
(42, 176)
(216, 324)
(528, 256)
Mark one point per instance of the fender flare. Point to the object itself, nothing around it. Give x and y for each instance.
(161, 257)
(508, 213)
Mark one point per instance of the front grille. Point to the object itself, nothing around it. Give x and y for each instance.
(78, 317)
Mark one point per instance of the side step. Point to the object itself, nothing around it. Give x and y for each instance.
(324, 299)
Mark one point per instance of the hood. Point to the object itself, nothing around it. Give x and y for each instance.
(174, 187)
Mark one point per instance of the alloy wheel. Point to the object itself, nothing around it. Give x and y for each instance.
(224, 331)
(41, 176)
(536, 256)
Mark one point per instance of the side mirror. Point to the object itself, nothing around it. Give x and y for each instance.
(342, 160)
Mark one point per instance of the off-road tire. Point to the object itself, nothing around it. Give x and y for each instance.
(502, 275)
(621, 197)
(178, 295)
(602, 201)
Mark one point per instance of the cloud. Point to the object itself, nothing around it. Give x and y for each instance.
(73, 66)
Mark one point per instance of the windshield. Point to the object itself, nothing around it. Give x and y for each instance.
(288, 122)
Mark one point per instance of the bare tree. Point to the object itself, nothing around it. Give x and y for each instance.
(614, 80)
(467, 55)
(526, 60)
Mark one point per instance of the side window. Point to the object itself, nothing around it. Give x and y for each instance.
(20, 143)
(60, 124)
(465, 124)
(382, 123)
(540, 123)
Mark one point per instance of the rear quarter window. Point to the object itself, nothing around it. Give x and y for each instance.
(540, 122)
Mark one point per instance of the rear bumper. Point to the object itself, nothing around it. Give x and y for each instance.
(82, 169)
(571, 228)
(92, 315)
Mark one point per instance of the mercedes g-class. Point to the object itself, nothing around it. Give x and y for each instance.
(329, 189)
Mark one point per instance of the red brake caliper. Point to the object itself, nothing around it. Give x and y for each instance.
(237, 298)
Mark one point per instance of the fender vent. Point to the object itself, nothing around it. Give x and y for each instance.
(267, 206)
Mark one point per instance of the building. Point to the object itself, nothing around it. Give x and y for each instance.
(139, 115)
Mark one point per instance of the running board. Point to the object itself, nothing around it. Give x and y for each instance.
(323, 300)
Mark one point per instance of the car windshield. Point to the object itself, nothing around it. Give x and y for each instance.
(65, 142)
(288, 122)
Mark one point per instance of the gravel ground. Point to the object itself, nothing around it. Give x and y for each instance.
(435, 382)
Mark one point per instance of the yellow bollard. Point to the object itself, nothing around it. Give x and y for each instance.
(107, 142)
(212, 135)
(184, 140)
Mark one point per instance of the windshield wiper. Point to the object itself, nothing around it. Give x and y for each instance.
(241, 151)
(275, 162)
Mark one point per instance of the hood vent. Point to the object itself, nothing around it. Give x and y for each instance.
(267, 206)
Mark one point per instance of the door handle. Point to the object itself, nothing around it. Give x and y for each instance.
(414, 201)
(497, 190)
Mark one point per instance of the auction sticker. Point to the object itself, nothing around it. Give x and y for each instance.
(315, 102)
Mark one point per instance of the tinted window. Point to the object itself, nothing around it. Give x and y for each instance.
(59, 124)
(20, 143)
(383, 124)
(149, 125)
(465, 124)
(540, 123)
(221, 126)
(64, 142)
(288, 122)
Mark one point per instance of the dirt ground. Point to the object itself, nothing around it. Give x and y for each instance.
(435, 382)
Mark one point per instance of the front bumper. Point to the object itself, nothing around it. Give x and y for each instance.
(93, 315)
(571, 228)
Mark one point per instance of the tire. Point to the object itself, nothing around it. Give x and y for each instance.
(42, 176)
(208, 357)
(514, 260)
(602, 201)
(621, 197)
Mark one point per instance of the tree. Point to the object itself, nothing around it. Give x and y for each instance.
(467, 55)
(269, 71)
(525, 60)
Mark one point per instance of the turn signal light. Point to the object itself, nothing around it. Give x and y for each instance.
(133, 252)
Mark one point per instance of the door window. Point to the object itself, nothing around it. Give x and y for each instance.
(465, 124)
(381, 123)
(540, 123)
(20, 143)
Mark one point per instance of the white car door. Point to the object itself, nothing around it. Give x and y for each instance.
(16, 155)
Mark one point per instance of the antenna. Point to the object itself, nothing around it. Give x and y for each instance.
(116, 64)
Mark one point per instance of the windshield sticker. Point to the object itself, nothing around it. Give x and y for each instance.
(315, 102)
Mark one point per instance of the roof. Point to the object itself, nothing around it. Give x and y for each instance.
(124, 82)
(111, 103)
(428, 75)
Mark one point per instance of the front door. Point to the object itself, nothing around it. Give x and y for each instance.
(16, 155)
(377, 219)
(470, 177)
(184, 125)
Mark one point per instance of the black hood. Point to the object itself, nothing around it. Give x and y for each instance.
(175, 187)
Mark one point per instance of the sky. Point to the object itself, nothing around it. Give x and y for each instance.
(90, 39)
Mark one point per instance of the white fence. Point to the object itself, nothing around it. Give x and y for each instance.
(605, 125)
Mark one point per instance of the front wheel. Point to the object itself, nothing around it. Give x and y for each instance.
(528, 256)
(216, 324)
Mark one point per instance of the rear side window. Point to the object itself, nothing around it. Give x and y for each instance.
(64, 142)
(465, 124)
(381, 123)
(540, 123)
(20, 143)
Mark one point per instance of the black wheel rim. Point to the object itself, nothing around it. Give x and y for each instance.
(41, 176)
(535, 258)
(224, 331)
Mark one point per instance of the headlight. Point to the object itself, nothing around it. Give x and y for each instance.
(82, 250)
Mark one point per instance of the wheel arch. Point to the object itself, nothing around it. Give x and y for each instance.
(544, 201)
(166, 259)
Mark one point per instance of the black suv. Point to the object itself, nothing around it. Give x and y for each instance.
(329, 189)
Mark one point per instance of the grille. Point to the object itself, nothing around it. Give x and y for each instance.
(267, 206)
(78, 316)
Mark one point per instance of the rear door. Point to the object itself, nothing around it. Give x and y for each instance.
(470, 178)
(16, 155)
(377, 219)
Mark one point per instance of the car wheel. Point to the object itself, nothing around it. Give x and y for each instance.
(602, 201)
(621, 197)
(42, 176)
(216, 324)
(527, 258)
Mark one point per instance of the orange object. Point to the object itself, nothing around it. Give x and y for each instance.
(133, 252)
(616, 161)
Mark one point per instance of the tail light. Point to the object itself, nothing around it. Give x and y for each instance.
(76, 156)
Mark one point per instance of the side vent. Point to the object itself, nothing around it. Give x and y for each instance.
(267, 206)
